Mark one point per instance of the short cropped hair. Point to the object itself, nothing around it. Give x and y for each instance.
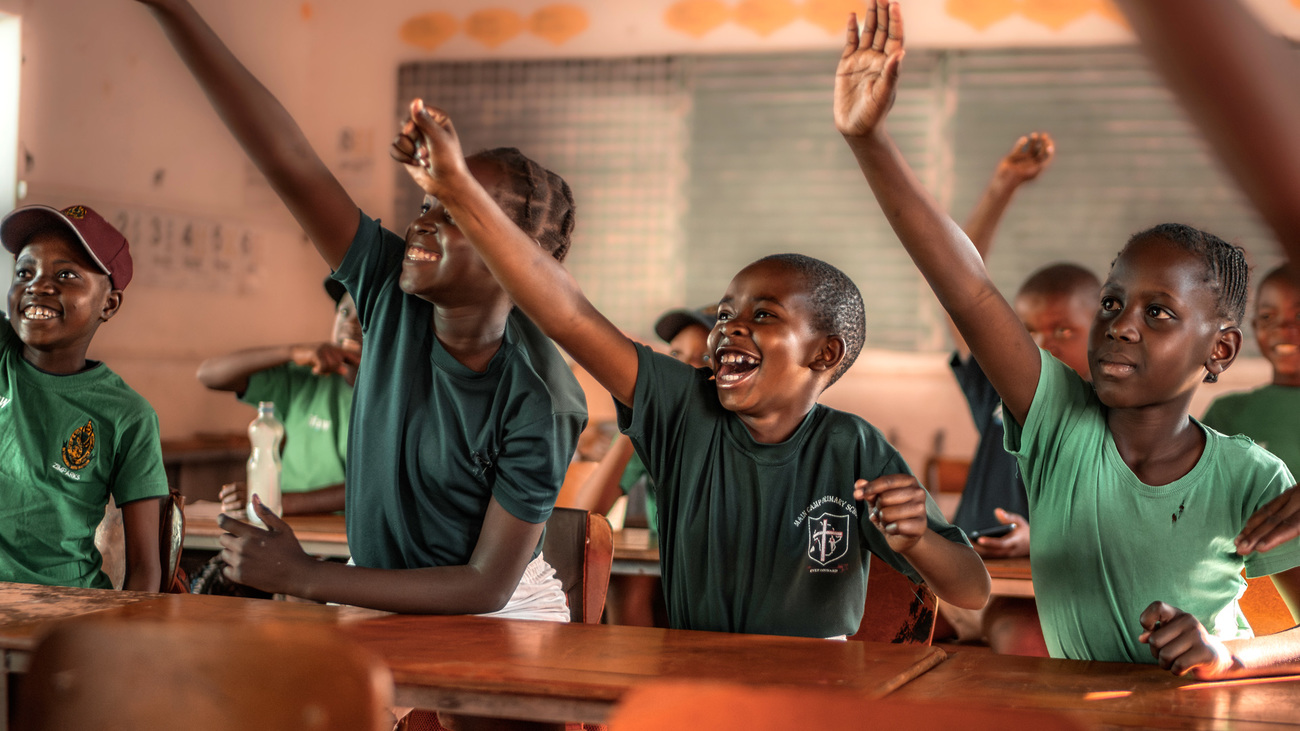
(536, 199)
(1061, 278)
(1282, 271)
(1226, 271)
(837, 307)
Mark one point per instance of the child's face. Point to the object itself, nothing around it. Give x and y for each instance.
(1059, 324)
(441, 265)
(691, 345)
(765, 354)
(1277, 328)
(57, 300)
(1158, 328)
(347, 328)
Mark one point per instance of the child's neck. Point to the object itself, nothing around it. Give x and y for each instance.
(472, 334)
(1159, 444)
(1291, 380)
(59, 364)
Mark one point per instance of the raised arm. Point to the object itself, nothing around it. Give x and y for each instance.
(864, 91)
(537, 283)
(265, 130)
(231, 372)
(1239, 83)
(1028, 158)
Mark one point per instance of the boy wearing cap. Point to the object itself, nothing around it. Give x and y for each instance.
(72, 432)
(311, 386)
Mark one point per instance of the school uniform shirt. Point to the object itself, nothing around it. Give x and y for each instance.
(67, 442)
(759, 538)
(314, 410)
(1270, 416)
(994, 478)
(432, 441)
(1106, 545)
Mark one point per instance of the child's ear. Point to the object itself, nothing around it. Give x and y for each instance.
(1226, 346)
(830, 354)
(112, 303)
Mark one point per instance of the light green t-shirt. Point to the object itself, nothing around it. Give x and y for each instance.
(1270, 416)
(315, 411)
(1105, 545)
(66, 443)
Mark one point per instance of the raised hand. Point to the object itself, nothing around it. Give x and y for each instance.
(405, 149)
(267, 559)
(1182, 645)
(233, 497)
(326, 358)
(1013, 544)
(867, 76)
(1029, 157)
(429, 141)
(897, 504)
(1272, 525)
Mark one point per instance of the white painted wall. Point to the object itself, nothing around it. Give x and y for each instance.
(110, 117)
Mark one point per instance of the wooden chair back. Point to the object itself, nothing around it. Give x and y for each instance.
(1264, 607)
(115, 674)
(896, 610)
(945, 474)
(580, 546)
(110, 539)
(725, 707)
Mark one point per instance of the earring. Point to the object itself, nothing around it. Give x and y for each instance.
(1211, 377)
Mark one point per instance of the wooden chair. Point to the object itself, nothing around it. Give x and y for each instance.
(945, 474)
(122, 674)
(111, 542)
(725, 707)
(1264, 607)
(580, 546)
(896, 610)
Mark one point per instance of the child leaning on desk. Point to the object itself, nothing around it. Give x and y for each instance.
(768, 501)
(1135, 505)
(72, 432)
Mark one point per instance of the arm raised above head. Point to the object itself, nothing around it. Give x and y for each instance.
(539, 284)
(1240, 84)
(264, 128)
(865, 84)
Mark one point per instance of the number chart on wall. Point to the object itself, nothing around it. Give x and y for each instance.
(178, 251)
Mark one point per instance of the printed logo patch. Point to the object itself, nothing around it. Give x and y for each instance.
(79, 447)
(4, 401)
(828, 537)
(77, 212)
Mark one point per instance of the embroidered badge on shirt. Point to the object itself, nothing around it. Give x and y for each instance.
(828, 537)
(79, 447)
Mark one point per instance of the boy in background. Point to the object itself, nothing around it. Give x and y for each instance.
(311, 386)
(1270, 415)
(72, 432)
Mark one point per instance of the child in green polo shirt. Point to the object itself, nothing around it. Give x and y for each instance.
(769, 502)
(311, 386)
(72, 433)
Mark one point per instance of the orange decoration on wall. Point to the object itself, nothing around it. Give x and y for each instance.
(1107, 10)
(980, 14)
(696, 18)
(1056, 14)
(494, 26)
(428, 31)
(558, 23)
(765, 17)
(305, 10)
(832, 15)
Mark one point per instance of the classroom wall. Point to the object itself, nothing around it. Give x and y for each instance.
(110, 117)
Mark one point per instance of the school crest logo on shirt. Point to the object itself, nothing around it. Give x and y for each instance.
(79, 447)
(828, 537)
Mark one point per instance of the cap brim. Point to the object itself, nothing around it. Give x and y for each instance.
(21, 223)
(674, 321)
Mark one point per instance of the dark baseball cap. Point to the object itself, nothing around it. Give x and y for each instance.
(106, 245)
(673, 322)
(335, 289)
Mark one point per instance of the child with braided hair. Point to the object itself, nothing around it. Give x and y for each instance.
(1137, 508)
(464, 417)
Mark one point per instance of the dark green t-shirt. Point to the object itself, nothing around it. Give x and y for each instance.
(314, 410)
(759, 538)
(431, 441)
(66, 443)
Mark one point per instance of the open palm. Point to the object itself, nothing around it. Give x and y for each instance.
(867, 75)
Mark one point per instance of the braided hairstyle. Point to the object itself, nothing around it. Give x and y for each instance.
(1226, 271)
(538, 200)
(837, 307)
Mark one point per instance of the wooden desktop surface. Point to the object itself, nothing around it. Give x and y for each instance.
(1108, 695)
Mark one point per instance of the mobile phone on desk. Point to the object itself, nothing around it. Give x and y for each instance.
(996, 531)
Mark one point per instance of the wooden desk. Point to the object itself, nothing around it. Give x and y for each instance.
(635, 553)
(1010, 576)
(323, 535)
(545, 670)
(1108, 694)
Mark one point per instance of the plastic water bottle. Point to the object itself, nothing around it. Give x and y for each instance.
(265, 434)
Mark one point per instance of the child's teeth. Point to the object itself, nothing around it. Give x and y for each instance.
(1285, 349)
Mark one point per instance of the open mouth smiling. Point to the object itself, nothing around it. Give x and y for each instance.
(38, 312)
(421, 254)
(734, 367)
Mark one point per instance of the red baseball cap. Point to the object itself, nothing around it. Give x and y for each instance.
(106, 245)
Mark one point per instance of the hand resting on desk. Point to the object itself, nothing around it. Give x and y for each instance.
(265, 559)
